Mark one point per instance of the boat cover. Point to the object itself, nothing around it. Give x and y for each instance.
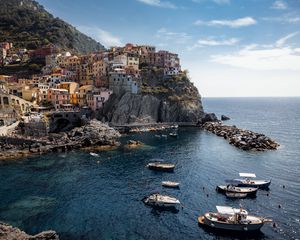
(227, 210)
(249, 175)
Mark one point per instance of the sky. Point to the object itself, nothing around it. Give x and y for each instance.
(231, 48)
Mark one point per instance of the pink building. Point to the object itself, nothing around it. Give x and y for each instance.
(97, 100)
(58, 97)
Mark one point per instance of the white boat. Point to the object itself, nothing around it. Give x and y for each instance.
(249, 181)
(250, 191)
(94, 154)
(161, 166)
(164, 136)
(170, 184)
(232, 219)
(175, 135)
(158, 200)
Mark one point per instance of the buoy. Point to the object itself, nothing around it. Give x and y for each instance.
(268, 194)
(279, 206)
(274, 225)
(203, 188)
(98, 162)
(207, 195)
(283, 186)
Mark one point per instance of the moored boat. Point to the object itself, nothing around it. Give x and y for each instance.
(232, 219)
(249, 191)
(174, 135)
(170, 184)
(161, 166)
(158, 200)
(248, 181)
(94, 154)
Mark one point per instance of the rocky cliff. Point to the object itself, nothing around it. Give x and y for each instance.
(27, 24)
(171, 100)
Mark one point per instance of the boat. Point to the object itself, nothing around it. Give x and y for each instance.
(175, 135)
(248, 181)
(161, 166)
(250, 191)
(94, 154)
(164, 136)
(232, 219)
(158, 200)
(157, 136)
(174, 126)
(170, 184)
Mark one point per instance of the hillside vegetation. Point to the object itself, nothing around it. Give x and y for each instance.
(27, 24)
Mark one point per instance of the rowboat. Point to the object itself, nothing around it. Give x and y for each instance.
(158, 200)
(161, 166)
(248, 181)
(170, 184)
(232, 219)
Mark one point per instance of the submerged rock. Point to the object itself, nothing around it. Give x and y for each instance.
(9, 232)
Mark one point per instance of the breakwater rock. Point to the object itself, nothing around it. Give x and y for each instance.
(93, 133)
(9, 232)
(241, 138)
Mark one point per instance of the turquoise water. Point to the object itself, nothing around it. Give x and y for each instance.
(85, 197)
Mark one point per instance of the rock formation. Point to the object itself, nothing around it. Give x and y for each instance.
(243, 139)
(8, 232)
(171, 101)
(93, 133)
(224, 118)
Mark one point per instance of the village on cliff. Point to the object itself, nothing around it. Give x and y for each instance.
(72, 85)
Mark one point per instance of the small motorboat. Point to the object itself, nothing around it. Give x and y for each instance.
(174, 135)
(170, 184)
(161, 166)
(174, 126)
(164, 136)
(232, 219)
(158, 200)
(94, 154)
(157, 136)
(250, 191)
(248, 181)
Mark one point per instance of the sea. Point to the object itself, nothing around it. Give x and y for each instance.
(85, 197)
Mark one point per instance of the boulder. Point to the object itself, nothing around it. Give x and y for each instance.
(224, 118)
(209, 117)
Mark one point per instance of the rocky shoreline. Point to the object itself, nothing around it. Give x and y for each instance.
(241, 138)
(9, 232)
(92, 134)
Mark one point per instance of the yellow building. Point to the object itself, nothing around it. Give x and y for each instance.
(72, 87)
(82, 92)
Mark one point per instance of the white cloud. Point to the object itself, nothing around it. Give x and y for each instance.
(286, 18)
(273, 57)
(236, 23)
(158, 3)
(174, 37)
(280, 42)
(104, 37)
(211, 42)
(280, 5)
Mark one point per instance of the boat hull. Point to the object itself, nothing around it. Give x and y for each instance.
(202, 220)
(257, 185)
(161, 169)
